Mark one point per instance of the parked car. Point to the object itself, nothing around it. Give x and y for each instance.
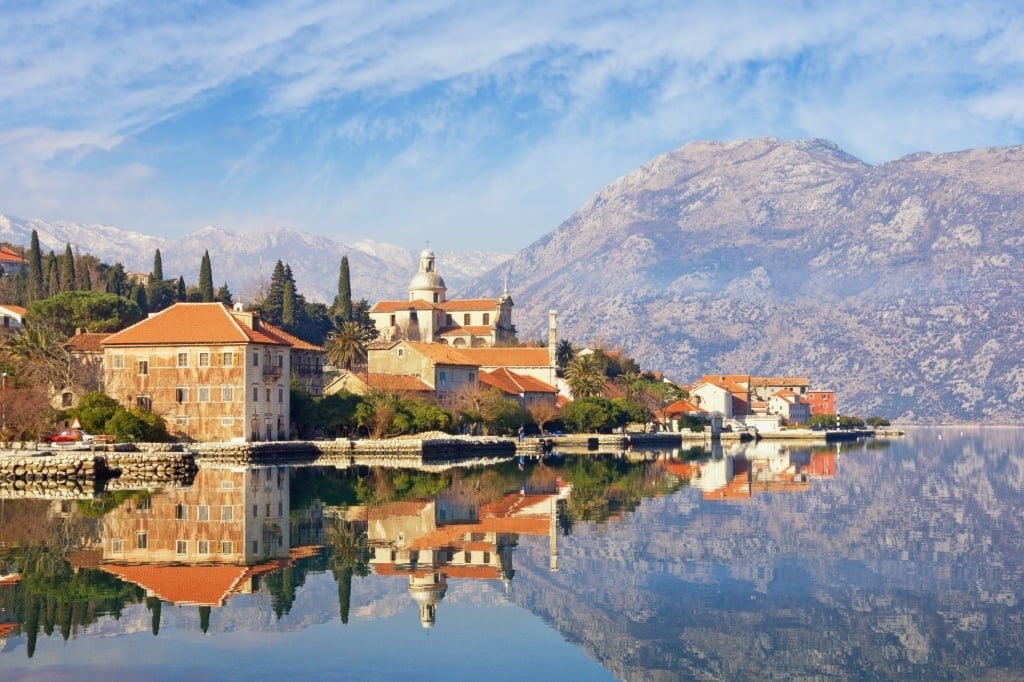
(71, 436)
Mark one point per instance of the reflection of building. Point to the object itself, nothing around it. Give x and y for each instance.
(228, 516)
(768, 467)
(432, 542)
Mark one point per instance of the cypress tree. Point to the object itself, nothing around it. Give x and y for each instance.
(35, 269)
(204, 618)
(158, 266)
(51, 275)
(117, 281)
(182, 292)
(342, 307)
(67, 270)
(140, 298)
(206, 279)
(272, 302)
(288, 305)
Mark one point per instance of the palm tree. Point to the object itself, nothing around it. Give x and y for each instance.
(346, 345)
(564, 352)
(585, 376)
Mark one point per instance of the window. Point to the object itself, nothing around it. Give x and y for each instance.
(280, 394)
(203, 512)
(143, 367)
(181, 394)
(465, 319)
(268, 395)
(181, 421)
(227, 547)
(487, 318)
(255, 359)
(393, 321)
(227, 421)
(401, 352)
(280, 360)
(117, 361)
(255, 511)
(227, 485)
(66, 398)
(255, 546)
(117, 546)
(448, 320)
(144, 505)
(442, 377)
(227, 394)
(181, 547)
(255, 394)
(204, 359)
(145, 402)
(280, 509)
(226, 512)
(181, 511)
(204, 546)
(182, 359)
(472, 376)
(204, 394)
(437, 297)
(268, 510)
(141, 540)
(227, 359)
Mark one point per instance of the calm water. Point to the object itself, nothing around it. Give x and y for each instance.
(878, 560)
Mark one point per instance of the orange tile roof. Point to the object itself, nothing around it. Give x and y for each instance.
(395, 382)
(508, 381)
(193, 323)
(9, 255)
(508, 357)
(87, 342)
(16, 309)
(394, 306)
(296, 342)
(7, 628)
(682, 407)
(442, 353)
(9, 579)
(470, 304)
(199, 584)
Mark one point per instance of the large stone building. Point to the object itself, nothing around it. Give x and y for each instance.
(214, 374)
(428, 315)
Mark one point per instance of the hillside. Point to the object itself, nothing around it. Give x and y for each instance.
(895, 285)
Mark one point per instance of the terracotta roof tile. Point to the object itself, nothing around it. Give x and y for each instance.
(395, 382)
(16, 309)
(470, 304)
(478, 329)
(510, 382)
(193, 323)
(87, 342)
(394, 306)
(442, 353)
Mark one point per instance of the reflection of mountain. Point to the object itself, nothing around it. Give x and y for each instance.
(905, 565)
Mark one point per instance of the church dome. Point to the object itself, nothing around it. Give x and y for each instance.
(427, 280)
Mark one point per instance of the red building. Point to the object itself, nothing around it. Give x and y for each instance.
(821, 402)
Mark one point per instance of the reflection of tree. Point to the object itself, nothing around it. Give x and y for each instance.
(204, 618)
(603, 486)
(349, 556)
(153, 606)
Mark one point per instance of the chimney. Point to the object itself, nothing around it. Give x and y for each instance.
(552, 335)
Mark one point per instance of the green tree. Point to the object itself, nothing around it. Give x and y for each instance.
(206, 279)
(593, 414)
(117, 280)
(67, 270)
(35, 269)
(342, 307)
(585, 376)
(92, 310)
(94, 410)
(346, 345)
(224, 295)
(158, 267)
(182, 291)
(564, 352)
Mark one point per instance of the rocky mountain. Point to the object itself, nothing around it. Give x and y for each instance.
(246, 260)
(896, 285)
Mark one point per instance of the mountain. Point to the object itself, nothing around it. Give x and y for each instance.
(378, 270)
(896, 285)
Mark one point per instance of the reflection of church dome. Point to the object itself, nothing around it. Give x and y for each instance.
(427, 591)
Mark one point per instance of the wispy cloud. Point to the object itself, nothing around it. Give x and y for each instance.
(391, 118)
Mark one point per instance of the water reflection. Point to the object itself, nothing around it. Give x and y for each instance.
(852, 560)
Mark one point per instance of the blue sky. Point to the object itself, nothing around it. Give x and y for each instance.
(474, 125)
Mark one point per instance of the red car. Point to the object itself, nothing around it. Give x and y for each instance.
(71, 436)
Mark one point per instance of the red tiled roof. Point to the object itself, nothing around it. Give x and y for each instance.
(296, 342)
(508, 357)
(16, 309)
(200, 584)
(470, 304)
(194, 323)
(87, 342)
(395, 382)
(508, 381)
(9, 256)
(682, 407)
(394, 306)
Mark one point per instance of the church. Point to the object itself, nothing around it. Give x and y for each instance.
(429, 317)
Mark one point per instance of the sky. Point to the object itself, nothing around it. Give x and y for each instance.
(466, 125)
